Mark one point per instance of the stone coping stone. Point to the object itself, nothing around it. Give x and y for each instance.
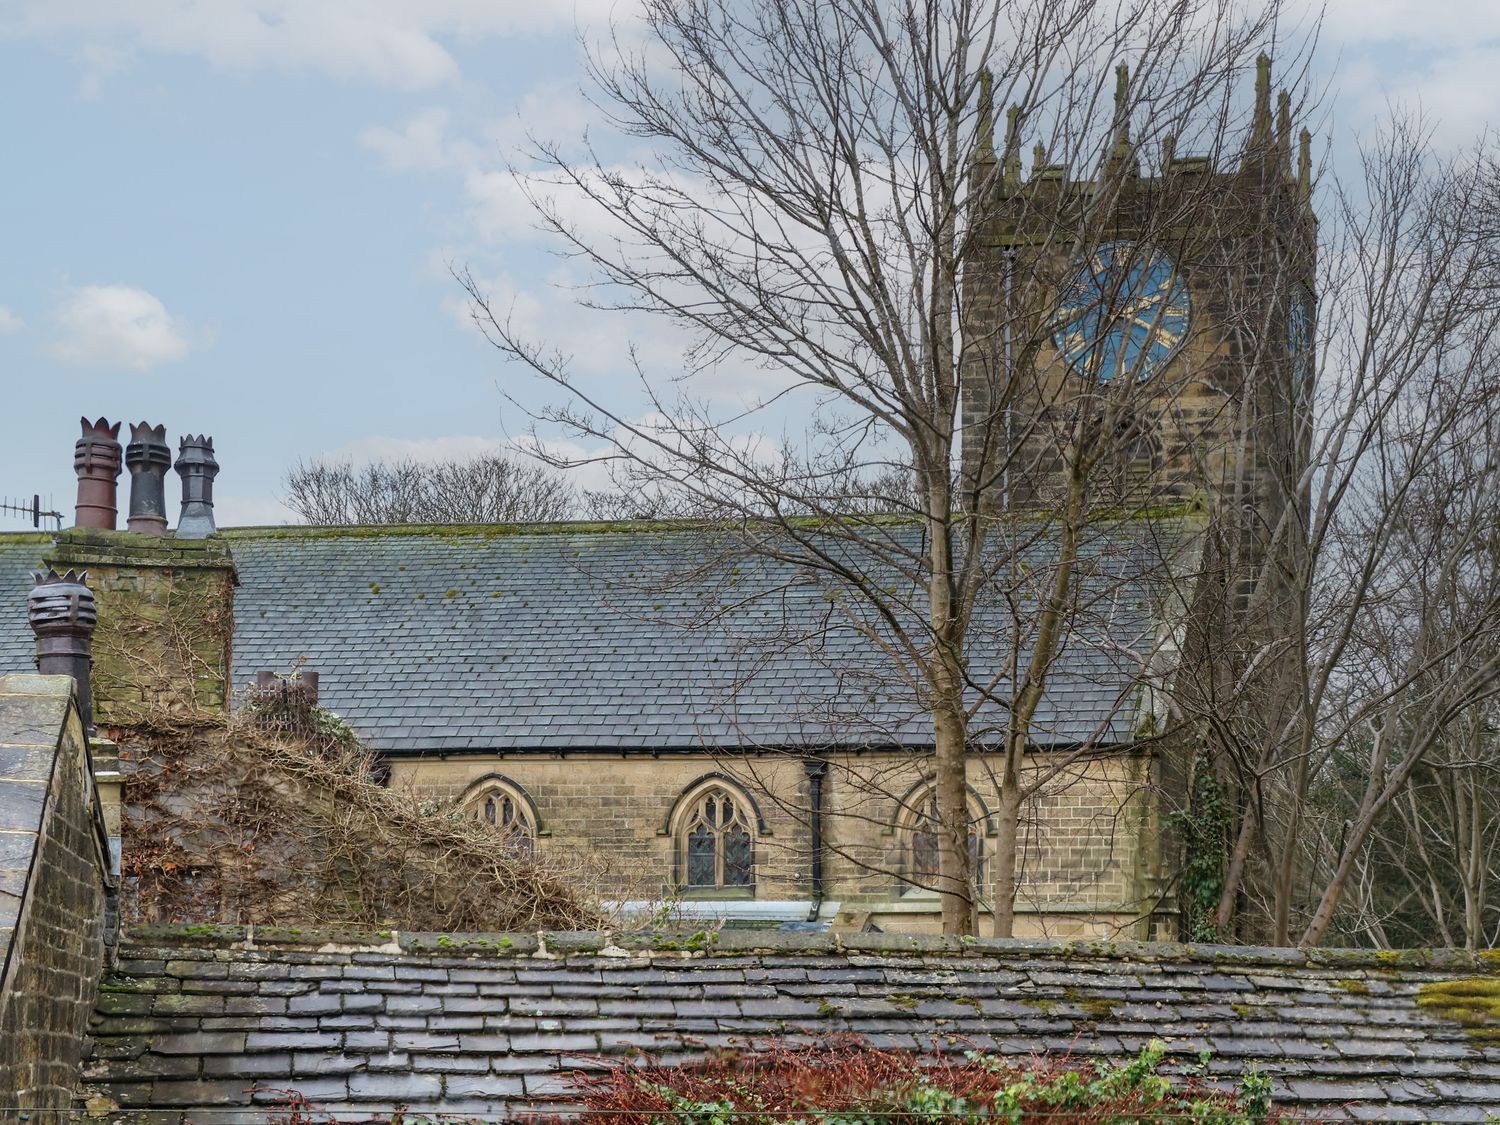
(78, 547)
(706, 943)
(34, 683)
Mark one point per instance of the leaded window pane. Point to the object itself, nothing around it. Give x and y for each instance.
(924, 859)
(701, 849)
(924, 853)
(718, 847)
(504, 814)
(737, 857)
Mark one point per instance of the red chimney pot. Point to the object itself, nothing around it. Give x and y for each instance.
(96, 459)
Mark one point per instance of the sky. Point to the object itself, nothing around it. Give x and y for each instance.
(239, 217)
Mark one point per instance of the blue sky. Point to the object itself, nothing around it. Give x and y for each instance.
(235, 216)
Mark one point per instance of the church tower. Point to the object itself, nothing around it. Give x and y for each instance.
(1139, 345)
(1149, 330)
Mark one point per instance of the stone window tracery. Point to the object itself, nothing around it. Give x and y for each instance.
(716, 842)
(921, 854)
(506, 812)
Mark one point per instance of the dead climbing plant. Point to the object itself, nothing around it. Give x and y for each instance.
(274, 813)
(162, 649)
(227, 822)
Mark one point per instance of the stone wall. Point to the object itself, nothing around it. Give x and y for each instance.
(55, 898)
(166, 620)
(1218, 418)
(199, 1017)
(1084, 873)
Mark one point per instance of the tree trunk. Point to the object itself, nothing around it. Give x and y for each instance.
(949, 720)
(1286, 868)
(1048, 638)
(1007, 854)
(1234, 875)
(955, 874)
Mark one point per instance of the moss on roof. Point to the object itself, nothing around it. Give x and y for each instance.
(1186, 513)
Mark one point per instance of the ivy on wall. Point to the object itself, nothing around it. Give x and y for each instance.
(1202, 830)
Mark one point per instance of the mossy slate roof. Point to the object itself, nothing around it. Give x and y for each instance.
(654, 638)
(625, 637)
(20, 556)
(490, 1025)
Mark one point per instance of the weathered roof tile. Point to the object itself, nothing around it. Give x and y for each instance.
(619, 638)
(1021, 997)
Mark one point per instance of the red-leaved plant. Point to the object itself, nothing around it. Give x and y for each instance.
(843, 1080)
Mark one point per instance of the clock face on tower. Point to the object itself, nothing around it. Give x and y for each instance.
(1123, 314)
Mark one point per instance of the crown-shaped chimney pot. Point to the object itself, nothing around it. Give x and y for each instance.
(197, 468)
(63, 614)
(148, 457)
(96, 460)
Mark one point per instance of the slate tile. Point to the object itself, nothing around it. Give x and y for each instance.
(395, 1087)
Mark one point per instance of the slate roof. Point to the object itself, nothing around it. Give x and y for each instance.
(20, 555)
(496, 639)
(481, 1025)
(437, 639)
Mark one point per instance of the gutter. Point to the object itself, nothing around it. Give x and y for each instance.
(816, 769)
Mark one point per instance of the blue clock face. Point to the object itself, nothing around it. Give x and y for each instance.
(1123, 314)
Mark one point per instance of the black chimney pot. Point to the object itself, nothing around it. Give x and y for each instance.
(63, 613)
(148, 457)
(197, 468)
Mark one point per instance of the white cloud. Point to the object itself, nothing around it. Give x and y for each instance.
(379, 447)
(597, 342)
(251, 511)
(118, 326)
(1455, 93)
(400, 43)
(99, 63)
(9, 321)
(1450, 24)
(431, 141)
(1442, 59)
(421, 143)
(587, 467)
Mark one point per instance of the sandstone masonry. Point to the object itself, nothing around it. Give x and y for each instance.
(55, 895)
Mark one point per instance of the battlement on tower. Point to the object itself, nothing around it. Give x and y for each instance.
(1146, 325)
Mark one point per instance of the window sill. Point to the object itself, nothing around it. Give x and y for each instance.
(921, 898)
(715, 892)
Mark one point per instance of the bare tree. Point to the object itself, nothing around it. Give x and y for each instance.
(491, 488)
(1368, 635)
(820, 204)
(1427, 877)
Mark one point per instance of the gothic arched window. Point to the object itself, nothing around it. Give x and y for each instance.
(921, 854)
(504, 810)
(716, 840)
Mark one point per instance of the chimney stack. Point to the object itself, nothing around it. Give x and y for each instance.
(197, 468)
(96, 460)
(148, 457)
(63, 613)
(303, 686)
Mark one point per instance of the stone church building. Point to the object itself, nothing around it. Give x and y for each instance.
(699, 717)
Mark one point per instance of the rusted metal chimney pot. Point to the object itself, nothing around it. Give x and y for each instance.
(285, 703)
(197, 468)
(148, 457)
(63, 614)
(96, 460)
